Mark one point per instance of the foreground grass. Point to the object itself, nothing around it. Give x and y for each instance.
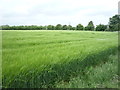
(40, 58)
(104, 75)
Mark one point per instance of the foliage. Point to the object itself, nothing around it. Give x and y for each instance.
(65, 27)
(90, 26)
(70, 27)
(58, 27)
(79, 27)
(114, 23)
(32, 27)
(73, 28)
(101, 27)
(50, 27)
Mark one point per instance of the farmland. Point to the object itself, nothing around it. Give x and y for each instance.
(35, 59)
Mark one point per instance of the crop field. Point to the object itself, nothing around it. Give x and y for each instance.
(75, 59)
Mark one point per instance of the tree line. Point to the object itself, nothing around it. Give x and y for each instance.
(114, 25)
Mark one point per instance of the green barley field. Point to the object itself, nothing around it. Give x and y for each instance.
(56, 59)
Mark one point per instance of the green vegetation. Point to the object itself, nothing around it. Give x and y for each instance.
(90, 26)
(35, 59)
(105, 75)
(101, 27)
(79, 27)
(114, 25)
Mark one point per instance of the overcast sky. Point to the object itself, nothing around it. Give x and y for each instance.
(45, 12)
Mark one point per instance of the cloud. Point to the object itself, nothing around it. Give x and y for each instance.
(44, 12)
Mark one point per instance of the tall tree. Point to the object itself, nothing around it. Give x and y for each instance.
(114, 23)
(90, 26)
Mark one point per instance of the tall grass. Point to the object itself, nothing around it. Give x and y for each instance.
(103, 75)
(41, 58)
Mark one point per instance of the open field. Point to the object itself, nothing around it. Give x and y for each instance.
(35, 59)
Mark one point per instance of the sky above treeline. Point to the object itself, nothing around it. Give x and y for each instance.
(52, 12)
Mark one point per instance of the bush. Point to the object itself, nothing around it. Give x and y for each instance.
(101, 27)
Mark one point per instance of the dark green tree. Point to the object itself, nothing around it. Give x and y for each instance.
(79, 27)
(5, 27)
(58, 27)
(44, 27)
(49, 27)
(114, 23)
(101, 27)
(53, 27)
(73, 28)
(65, 27)
(90, 26)
(70, 27)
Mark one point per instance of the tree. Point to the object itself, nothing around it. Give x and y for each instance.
(73, 28)
(79, 27)
(86, 28)
(40, 27)
(90, 26)
(58, 27)
(114, 23)
(65, 27)
(49, 27)
(44, 27)
(70, 27)
(5, 27)
(101, 27)
(53, 27)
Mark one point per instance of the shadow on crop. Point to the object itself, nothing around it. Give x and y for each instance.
(59, 72)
